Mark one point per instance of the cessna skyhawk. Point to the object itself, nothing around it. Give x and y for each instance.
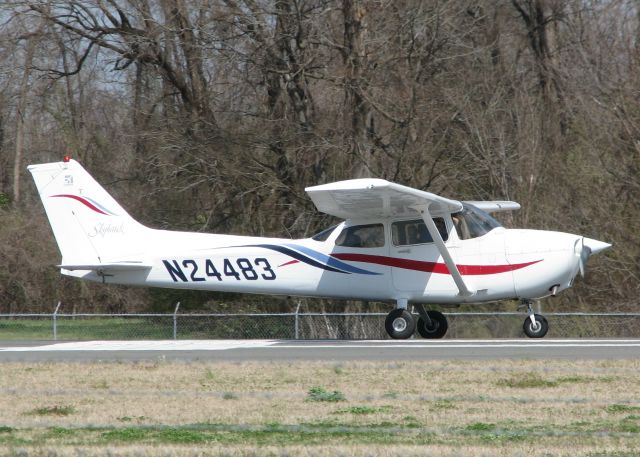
(396, 244)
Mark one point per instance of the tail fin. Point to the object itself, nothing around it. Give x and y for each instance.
(90, 227)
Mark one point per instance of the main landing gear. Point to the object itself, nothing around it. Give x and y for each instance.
(400, 323)
(535, 325)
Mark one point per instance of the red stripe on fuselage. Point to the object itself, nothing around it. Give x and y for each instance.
(431, 267)
(288, 263)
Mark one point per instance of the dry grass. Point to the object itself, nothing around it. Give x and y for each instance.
(437, 408)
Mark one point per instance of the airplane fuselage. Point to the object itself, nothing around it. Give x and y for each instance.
(502, 264)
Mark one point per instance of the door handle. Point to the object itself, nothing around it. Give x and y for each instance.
(404, 251)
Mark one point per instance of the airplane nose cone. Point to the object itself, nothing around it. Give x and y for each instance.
(595, 246)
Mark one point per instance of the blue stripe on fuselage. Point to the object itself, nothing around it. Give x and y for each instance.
(331, 261)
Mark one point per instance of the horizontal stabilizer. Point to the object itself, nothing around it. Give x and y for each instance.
(111, 266)
(495, 206)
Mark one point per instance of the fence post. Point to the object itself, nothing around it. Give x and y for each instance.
(297, 324)
(175, 321)
(55, 322)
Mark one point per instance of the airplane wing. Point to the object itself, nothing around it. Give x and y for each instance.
(376, 198)
(495, 206)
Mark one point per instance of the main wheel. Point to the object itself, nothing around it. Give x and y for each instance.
(536, 331)
(400, 324)
(436, 329)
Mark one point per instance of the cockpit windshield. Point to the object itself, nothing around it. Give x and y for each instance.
(472, 222)
(325, 234)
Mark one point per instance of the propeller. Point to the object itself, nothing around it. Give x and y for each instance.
(586, 248)
(585, 253)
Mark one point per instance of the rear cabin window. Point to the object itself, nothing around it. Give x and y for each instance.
(415, 231)
(362, 236)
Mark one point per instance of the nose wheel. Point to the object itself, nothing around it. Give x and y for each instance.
(535, 325)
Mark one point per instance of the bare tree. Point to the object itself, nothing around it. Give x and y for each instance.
(215, 114)
(32, 40)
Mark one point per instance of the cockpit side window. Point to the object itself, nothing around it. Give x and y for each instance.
(405, 233)
(362, 236)
(472, 222)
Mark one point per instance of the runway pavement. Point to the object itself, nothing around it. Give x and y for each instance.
(325, 350)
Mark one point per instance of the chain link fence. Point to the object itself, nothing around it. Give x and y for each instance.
(61, 326)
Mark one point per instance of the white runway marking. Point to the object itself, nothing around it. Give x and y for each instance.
(223, 345)
(451, 346)
(163, 345)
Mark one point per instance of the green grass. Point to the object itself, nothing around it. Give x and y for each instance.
(111, 328)
(129, 434)
(535, 381)
(182, 436)
(319, 394)
(618, 408)
(22, 329)
(57, 410)
(270, 434)
(368, 407)
(527, 381)
(442, 405)
(59, 432)
(480, 427)
(142, 328)
(629, 428)
(131, 419)
(363, 410)
(384, 433)
(613, 454)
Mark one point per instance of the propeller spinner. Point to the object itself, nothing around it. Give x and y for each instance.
(587, 247)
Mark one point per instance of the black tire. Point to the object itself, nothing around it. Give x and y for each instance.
(438, 327)
(400, 324)
(536, 332)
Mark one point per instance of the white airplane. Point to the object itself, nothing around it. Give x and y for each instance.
(397, 244)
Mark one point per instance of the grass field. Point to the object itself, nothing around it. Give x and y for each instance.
(93, 328)
(546, 408)
(266, 326)
(145, 328)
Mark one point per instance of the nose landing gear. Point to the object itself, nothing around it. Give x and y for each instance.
(535, 325)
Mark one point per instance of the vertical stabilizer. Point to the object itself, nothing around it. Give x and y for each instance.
(90, 227)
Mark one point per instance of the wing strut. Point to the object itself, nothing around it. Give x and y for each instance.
(444, 252)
